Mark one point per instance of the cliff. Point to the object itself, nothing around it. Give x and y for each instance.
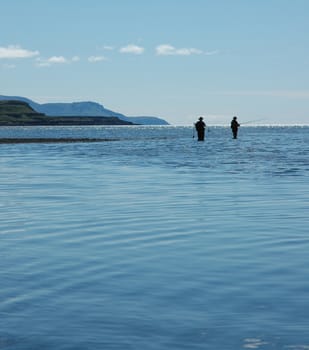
(84, 109)
(20, 113)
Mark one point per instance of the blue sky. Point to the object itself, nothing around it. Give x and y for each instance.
(175, 59)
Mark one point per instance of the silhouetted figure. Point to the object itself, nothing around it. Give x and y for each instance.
(234, 126)
(200, 128)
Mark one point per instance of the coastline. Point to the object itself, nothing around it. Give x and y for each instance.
(52, 140)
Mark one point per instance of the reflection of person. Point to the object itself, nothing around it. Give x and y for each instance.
(234, 126)
(200, 128)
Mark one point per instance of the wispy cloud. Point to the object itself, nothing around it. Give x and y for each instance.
(211, 53)
(15, 51)
(94, 59)
(8, 66)
(269, 93)
(41, 62)
(108, 48)
(133, 49)
(169, 50)
(57, 59)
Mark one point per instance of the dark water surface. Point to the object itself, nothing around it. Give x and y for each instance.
(155, 241)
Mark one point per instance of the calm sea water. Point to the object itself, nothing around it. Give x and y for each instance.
(155, 241)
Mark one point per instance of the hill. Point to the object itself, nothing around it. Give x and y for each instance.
(14, 112)
(84, 109)
(16, 108)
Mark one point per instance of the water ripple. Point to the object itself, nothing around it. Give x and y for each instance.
(155, 241)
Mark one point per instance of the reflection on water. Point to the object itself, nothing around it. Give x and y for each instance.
(155, 241)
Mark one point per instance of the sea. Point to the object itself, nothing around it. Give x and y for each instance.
(152, 240)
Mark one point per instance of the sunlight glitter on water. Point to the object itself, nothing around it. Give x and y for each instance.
(164, 244)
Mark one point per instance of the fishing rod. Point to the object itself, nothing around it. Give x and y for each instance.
(252, 121)
(193, 131)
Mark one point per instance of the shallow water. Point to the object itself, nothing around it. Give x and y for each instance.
(155, 241)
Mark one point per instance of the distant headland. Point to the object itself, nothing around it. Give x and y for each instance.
(17, 110)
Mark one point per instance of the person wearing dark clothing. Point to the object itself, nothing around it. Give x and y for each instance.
(200, 128)
(234, 126)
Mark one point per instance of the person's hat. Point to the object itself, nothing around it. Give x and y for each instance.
(200, 118)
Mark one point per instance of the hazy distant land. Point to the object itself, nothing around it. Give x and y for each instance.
(75, 113)
(20, 113)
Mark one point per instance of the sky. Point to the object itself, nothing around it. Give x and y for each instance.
(174, 59)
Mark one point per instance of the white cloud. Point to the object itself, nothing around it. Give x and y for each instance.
(41, 62)
(50, 61)
(15, 51)
(134, 49)
(94, 59)
(169, 50)
(108, 48)
(57, 59)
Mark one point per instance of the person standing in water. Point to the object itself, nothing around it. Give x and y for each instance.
(234, 126)
(200, 127)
